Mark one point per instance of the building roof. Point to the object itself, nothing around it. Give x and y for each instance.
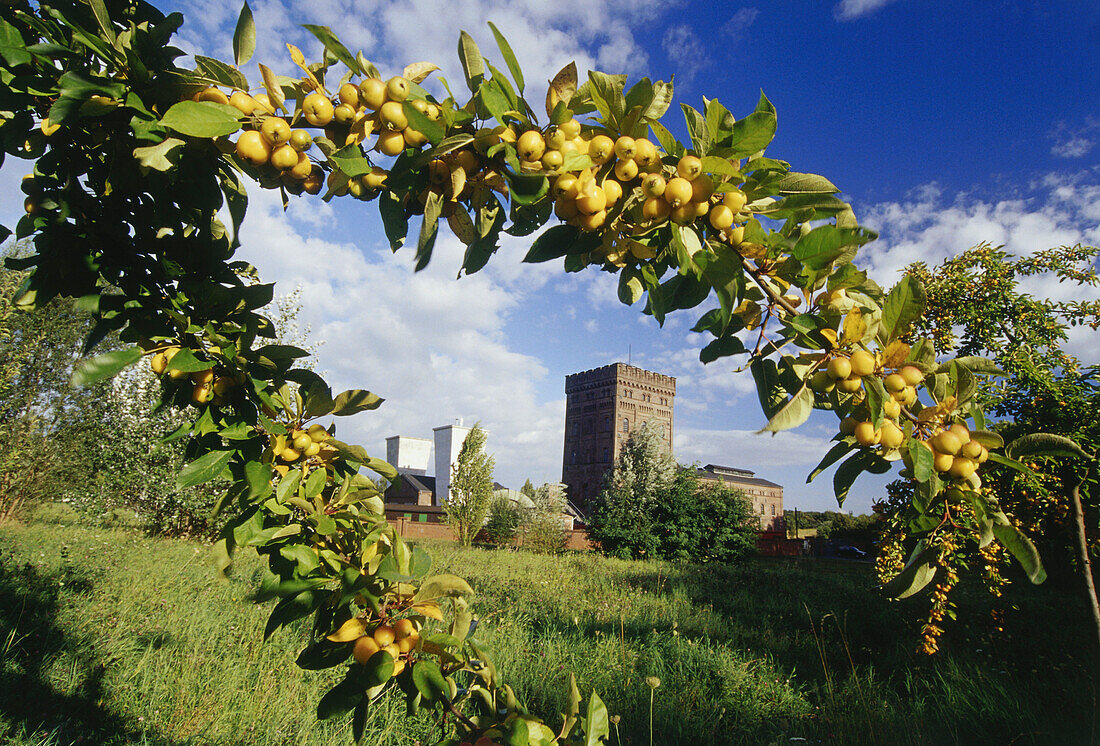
(419, 482)
(733, 475)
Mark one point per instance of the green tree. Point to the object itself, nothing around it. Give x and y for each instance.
(471, 487)
(37, 351)
(542, 524)
(702, 523)
(528, 489)
(977, 306)
(503, 519)
(622, 516)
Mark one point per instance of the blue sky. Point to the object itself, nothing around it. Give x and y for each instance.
(946, 124)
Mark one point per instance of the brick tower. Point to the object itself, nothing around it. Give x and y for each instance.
(602, 406)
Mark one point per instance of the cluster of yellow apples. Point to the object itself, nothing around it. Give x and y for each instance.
(955, 452)
(301, 444)
(397, 640)
(583, 197)
(848, 373)
(207, 386)
(373, 108)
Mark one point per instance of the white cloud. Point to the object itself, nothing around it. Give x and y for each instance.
(1074, 142)
(402, 335)
(544, 36)
(849, 10)
(929, 226)
(685, 51)
(738, 25)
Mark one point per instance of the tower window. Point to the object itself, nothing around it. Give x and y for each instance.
(626, 425)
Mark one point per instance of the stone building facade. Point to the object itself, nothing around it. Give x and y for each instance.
(765, 498)
(602, 407)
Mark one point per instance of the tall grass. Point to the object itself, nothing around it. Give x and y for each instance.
(110, 637)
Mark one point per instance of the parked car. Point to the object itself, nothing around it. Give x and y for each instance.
(851, 552)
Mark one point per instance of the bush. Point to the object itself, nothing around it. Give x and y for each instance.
(503, 520)
(685, 520)
(543, 530)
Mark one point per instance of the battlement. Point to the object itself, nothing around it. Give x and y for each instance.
(618, 372)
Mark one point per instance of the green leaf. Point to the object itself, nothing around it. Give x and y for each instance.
(847, 473)
(429, 680)
(509, 56)
(160, 157)
(434, 131)
(244, 36)
(258, 477)
(597, 728)
(12, 46)
(902, 307)
(753, 133)
(323, 654)
(216, 71)
(721, 347)
(349, 159)
(288, 485)
(315, 483)
(697, 130)
(796, 183)
(355, 400)
(713, 164)
(204, 119)
(203, 469)
(104, 20)
(662, 99)
(1045, 444)
(923, 460)
(557, 241)
(837, 452)
(440, 586)
(394, 220)
(1022, 549)
(429, 229)
(974, 364)
(473, 65)
(186, 362)
(104, 366)
(794, 412)
(339, 51)
(918, 573)
(630, 286)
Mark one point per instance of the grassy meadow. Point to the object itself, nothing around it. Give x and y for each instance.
(111, 637)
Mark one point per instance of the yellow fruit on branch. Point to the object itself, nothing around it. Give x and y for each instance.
(600, 149)
(625, 148)
(317, 109)
(530, 146)
(678, 192)
(626, 170)
(397, 88)
(253, 148)
(839, 368)
(275, 130)
(372, 93)
(863, 363)
(364, 648)
(689, 167)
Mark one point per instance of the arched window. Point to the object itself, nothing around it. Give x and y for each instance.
(606, 454)
(626, 424)
(573, 458)
(773, 509)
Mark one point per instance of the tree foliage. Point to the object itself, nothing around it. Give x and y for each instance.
(133, 164)
(471, 487)
(542, 526)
